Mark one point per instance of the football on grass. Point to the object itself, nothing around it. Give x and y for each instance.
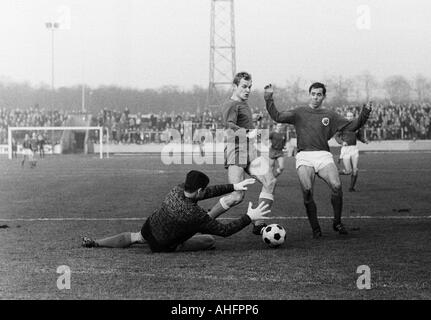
(274, 235)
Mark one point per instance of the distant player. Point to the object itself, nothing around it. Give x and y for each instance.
(349, 153)
(14, 149)
(240, 151)
(314, 126)
(202, 146)
(175, 225)
(34, 144)
(278, 141)
(27, 151)
(40, 145)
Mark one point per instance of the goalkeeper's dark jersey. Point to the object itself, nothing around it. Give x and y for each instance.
(180, 218)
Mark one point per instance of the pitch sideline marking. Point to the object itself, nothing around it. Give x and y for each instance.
(267, 218)
(276, 279)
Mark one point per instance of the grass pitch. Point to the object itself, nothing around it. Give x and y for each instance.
(48, 209)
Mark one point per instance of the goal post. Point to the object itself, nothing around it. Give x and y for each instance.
(75, 128)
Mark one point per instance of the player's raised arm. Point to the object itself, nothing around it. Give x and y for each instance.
(338, 138)
(282, 117)
(361, 120)
(361, 137)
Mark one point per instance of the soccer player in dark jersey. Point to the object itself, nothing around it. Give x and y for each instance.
(27, 151)
(349, 153)
(278, 141)
(314, 126)
(14, 148)
(240, 152)
(173, 227)
(34, 144)
(40, 145)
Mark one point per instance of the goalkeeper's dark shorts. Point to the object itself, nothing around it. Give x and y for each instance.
(152, 242)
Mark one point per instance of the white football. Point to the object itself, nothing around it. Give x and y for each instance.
(274, 235)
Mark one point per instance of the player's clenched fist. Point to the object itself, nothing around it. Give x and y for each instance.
(268, 91)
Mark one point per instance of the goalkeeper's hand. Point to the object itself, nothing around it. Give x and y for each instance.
(258, 213)
(242, 186)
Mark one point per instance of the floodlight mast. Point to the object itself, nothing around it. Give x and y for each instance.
(52, 26)
(222, 50)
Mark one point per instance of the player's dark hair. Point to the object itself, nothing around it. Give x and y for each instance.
(196, 180)
(241, 75)
(318, 85)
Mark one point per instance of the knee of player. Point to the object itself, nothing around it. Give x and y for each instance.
(210, 241)
(232, 199)
(337, 190)
(237, 197)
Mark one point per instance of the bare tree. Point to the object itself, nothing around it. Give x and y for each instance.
(397, 88)
(369, 84)
(421, 86)
(338, 88)
(296, 91)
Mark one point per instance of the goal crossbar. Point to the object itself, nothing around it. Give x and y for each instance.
(10, 129)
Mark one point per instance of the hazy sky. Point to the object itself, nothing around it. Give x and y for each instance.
(150, 43)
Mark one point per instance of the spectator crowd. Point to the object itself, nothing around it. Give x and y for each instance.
(387, 122)
(396, 122)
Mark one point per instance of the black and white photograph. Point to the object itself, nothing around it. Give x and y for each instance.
(215, 154)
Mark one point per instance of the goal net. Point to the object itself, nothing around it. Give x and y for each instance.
(60, 140)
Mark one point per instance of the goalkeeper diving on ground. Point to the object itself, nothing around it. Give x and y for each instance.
(174, 226)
